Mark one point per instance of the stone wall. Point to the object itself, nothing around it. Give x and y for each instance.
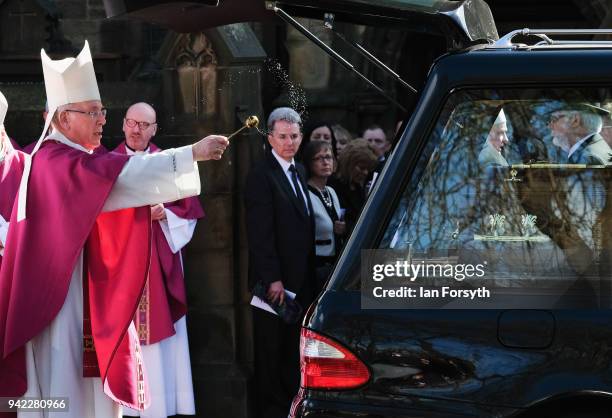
(86, 19)
(200, 84)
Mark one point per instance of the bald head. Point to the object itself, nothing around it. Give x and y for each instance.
(141, 108)
(139, 125)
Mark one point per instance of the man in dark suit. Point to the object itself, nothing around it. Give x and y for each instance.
(377, 138)
(280, 231)
(575, 128)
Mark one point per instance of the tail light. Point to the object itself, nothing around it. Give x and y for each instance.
(325, 364)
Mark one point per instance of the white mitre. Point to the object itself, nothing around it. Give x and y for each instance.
(70, 80)
(501, 118)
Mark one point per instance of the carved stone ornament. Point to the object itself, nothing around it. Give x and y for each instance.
(196, 65)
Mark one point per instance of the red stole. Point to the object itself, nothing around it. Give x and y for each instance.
(164, 300)
(118, 252)
(66, 192)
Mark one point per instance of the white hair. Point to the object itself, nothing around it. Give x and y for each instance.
(60, 109)
(283, 113)
(592, 122)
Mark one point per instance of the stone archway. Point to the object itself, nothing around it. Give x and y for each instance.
(189, 67)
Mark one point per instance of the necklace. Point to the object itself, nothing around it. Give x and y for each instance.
(324, 195)
(327, 200)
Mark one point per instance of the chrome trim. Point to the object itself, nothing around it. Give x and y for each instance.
(505, 42)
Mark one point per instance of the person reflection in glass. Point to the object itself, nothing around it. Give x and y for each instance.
(576, 129)
(497, 139)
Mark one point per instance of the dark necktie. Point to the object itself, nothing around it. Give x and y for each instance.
(296, 186)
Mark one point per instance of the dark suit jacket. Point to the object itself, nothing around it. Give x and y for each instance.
(280, 233)
(593, 151)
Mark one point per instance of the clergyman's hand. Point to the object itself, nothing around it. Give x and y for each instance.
(276, 292)
(209, 148)
(157, 212)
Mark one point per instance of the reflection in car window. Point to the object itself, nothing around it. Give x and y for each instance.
(519, 179)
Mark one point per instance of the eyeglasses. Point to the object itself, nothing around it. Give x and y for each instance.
(131, 123)
(322, 158)
(94, 114)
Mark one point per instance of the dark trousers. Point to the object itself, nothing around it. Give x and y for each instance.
(277, 368)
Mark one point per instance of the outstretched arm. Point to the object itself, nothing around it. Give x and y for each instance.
(164, 176)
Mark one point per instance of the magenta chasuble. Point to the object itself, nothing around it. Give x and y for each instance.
(66, 193)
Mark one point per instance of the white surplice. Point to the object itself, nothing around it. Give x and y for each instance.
(167, 362)
(54, 358)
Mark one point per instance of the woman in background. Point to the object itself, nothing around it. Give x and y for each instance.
(343, 137)
(317, 130)
(355, 165)
(329, 226)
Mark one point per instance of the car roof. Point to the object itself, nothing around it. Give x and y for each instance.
(482, 65)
